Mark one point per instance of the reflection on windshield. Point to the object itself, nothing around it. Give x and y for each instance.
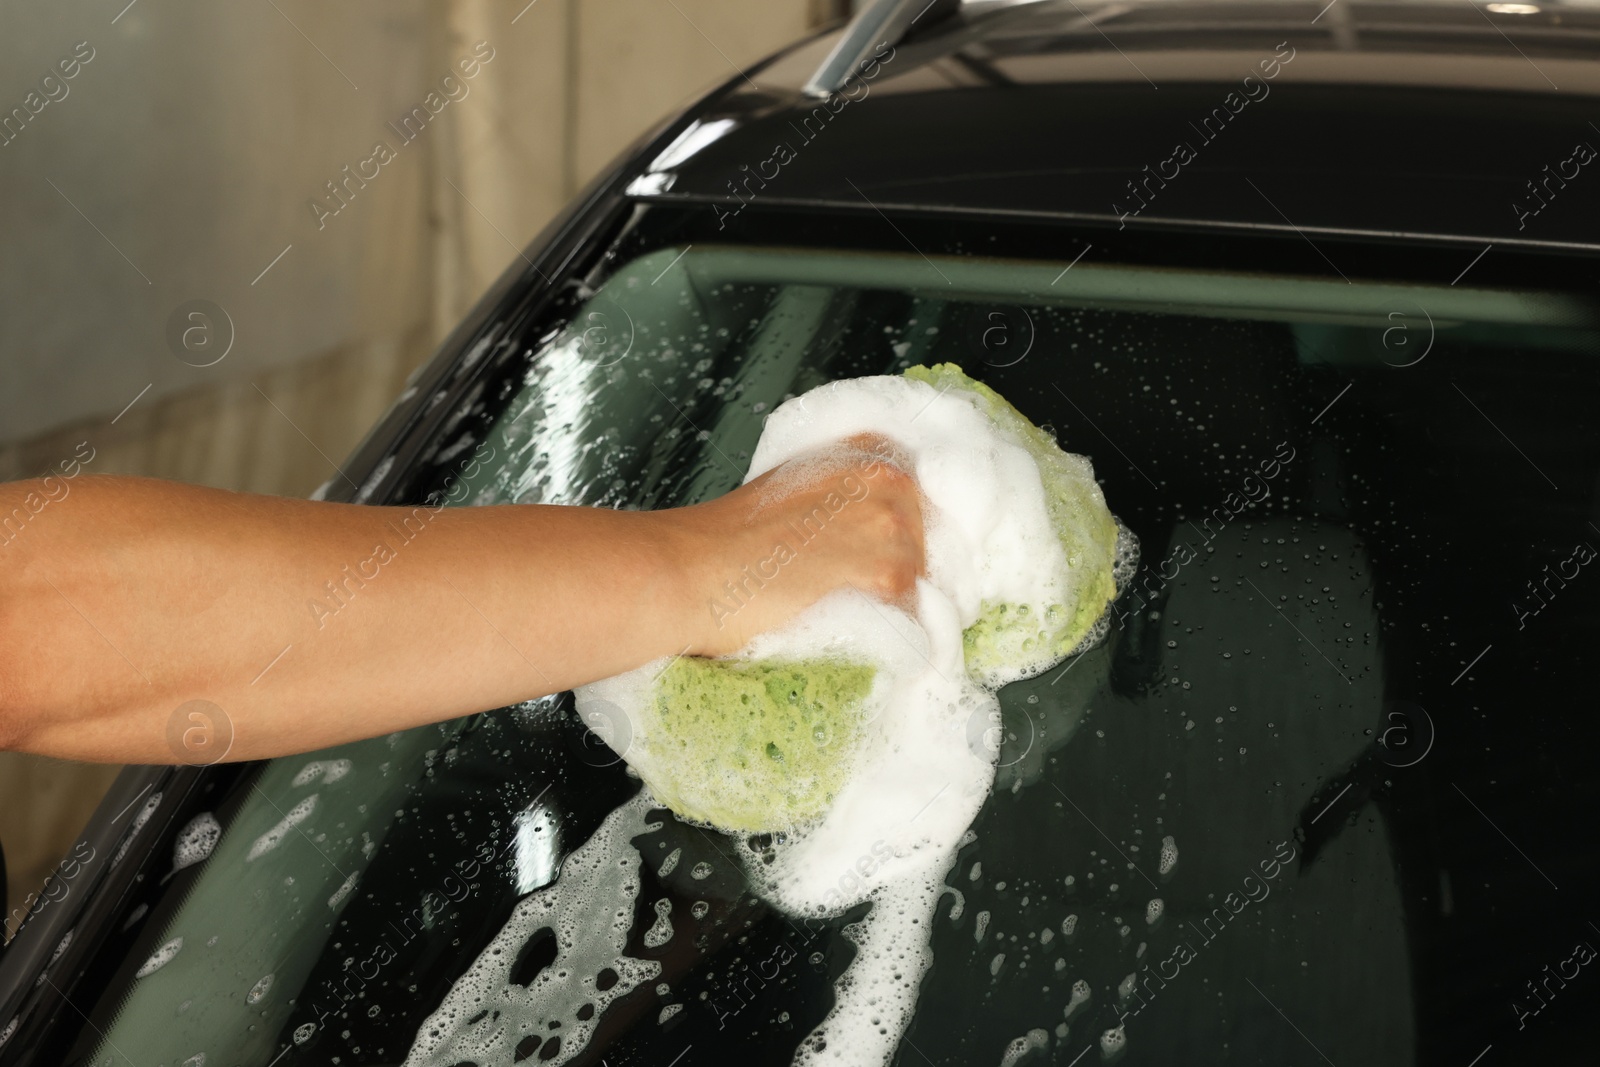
(1206, 842)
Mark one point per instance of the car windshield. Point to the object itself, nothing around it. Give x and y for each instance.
(1295, 808)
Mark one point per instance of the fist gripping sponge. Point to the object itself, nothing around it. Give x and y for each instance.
(1022, 557)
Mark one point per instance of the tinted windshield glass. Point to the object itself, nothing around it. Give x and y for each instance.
(1296, 808)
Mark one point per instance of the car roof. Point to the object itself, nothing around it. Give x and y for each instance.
(1435, 120)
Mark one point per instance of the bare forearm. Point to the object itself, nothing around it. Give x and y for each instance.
(308, 624)
(123, 601)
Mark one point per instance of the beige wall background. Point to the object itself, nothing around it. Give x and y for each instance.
(182, 163)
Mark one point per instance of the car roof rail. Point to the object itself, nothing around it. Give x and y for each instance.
(885, 22)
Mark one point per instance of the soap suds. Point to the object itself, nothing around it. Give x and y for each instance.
(873, 790)
(160, 958)
(139, 822)
(670, 864)
(1023, 559)
(1032, 1041)
(660, 931)
(1169, 855)
(196, 841)
(1080, 996)
(486, 1017)
(1112, 1041)
(275, 836)
(329, 771)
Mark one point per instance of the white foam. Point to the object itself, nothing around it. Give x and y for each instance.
(1169, 855)
(914, 782)
(139, 821)
(1032, 1041)
(1080, 996)
(275, 836)
(670, 864)
(329, 771)
(986, 528)
(660, 931)
(196, 841)
(259, 991)
(343, 891)
(874, 999)
(917, 785)
(160, 958)
(589, 909)
(959, 905)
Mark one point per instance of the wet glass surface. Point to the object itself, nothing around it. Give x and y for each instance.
(1318, 798)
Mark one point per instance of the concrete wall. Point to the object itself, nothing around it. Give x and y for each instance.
(181, 162)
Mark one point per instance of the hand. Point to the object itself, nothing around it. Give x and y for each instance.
(849, 517)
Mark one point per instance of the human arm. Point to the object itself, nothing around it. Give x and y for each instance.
(310, 624)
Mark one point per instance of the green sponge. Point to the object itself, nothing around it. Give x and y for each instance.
(766, 744)
(753, 746)
(1007, 635)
